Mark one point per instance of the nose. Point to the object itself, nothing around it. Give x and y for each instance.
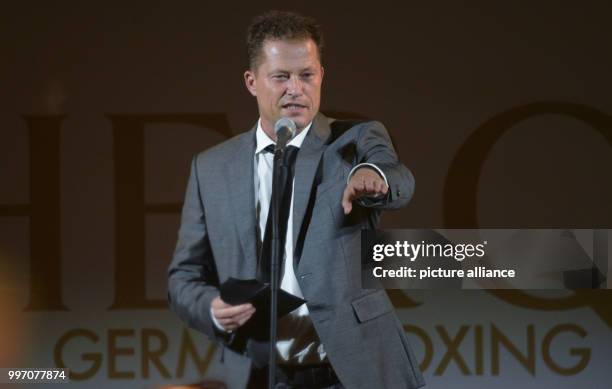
(294, 86)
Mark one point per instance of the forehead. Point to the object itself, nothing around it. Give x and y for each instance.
(288, 54)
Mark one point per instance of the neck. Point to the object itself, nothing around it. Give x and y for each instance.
(268, 129)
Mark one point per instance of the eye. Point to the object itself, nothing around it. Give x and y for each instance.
(280, 77)
(308, 75)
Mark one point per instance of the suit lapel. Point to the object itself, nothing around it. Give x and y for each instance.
(242, 190)
(242, 194)
(308, 161)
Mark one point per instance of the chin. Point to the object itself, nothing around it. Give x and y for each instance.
(301, 122)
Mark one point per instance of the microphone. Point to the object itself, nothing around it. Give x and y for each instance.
(285, 130)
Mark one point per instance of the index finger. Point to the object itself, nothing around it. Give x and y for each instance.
(231, 310)
(347, 198)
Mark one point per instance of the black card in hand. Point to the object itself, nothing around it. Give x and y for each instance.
(236, 292)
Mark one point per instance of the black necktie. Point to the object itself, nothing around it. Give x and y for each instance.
(284, 189)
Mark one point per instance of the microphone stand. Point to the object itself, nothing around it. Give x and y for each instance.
(277, 254)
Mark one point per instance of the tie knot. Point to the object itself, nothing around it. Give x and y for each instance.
(288, 155)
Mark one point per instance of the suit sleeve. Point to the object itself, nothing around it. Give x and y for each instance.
(374, 146)
(192, 275)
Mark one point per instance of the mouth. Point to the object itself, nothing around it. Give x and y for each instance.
(293, 107)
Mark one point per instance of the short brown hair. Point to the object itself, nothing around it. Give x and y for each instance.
(280, 25)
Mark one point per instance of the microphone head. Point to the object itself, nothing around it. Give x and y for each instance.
(285, 124)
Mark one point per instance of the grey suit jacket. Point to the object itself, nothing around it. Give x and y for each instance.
(363, 338)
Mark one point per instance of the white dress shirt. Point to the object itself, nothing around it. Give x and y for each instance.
(297, 341)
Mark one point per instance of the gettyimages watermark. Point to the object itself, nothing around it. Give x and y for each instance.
(485, 259)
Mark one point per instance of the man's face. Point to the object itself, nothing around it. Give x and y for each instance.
(286, 82)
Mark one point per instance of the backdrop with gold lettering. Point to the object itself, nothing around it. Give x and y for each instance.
(502, 112)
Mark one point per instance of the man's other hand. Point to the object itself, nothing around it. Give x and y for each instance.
(231, 316)
(365, 182)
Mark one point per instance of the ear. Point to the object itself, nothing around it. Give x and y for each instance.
(322, 72)
(250, 82)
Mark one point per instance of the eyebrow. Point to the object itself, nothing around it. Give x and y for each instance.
(306, 69)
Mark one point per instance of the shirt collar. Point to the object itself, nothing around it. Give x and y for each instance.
(263, 140)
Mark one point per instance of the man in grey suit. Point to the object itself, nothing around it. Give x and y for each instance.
(346, 173)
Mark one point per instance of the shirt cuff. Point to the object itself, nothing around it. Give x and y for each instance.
(217, 324)
(370, 165)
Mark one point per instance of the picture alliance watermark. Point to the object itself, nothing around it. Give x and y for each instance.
(482, 259)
